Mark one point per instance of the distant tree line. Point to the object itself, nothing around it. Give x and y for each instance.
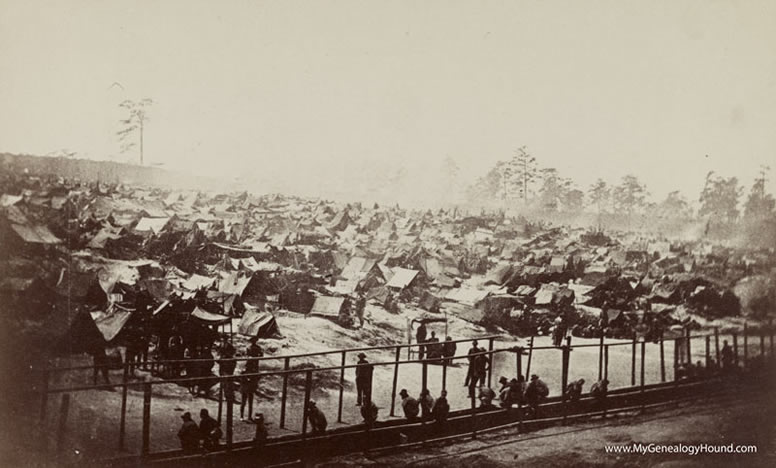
(520, 182)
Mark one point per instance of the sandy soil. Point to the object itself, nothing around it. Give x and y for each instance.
(92, 426)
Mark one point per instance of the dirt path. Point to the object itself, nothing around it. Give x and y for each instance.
(750, 421)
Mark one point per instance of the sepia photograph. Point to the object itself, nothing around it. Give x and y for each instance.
(387, 233)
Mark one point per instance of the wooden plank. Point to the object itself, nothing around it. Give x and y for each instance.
(284, 395)
(662, 359)
(643, 362)
(145, 450)
(395, 380)
(633, 361)
(123, 421)
(342, 388)
(490, 361)
(308, 384)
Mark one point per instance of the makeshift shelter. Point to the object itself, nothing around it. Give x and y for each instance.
(258, 324)
(402, 278)
(111, 323)
(327, 306)
(149, 226)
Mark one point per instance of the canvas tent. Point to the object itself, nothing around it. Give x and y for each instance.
(402, 278)
(327, 306)
(259, 324)
(111, 324)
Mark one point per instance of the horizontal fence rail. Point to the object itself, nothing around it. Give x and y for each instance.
(560, 403)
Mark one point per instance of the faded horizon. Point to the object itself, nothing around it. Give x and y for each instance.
(320, 97)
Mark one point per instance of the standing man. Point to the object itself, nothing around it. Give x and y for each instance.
(420, 337)
(726, 356)
(363, 380)
(100, 363)
(470, 370)
(448, 350)
(360, 306)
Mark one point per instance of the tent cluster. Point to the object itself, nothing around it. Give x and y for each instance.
(202, 259)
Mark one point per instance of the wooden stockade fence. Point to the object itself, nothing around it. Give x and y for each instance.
(603, 372)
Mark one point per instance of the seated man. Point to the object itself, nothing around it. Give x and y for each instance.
(574, 390)
(209, 429)
(316, 418)
(410, 405)
(189, 434)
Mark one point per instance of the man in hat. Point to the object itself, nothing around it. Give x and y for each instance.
(363, 380)
(448, 350)
(209, 429)
(473, 350)
(369, 412)
(536, 392)
(316, 418)
(441, 408)
(420, 337)
(426, 404)
(189, 434)
(410, 405)
(574, 390)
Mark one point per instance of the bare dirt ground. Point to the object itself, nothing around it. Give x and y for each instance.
(742, 421)
(92, 426)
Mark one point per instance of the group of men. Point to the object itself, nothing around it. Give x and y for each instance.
(425, 406)
(431, 347)
(479, 363)
(207, 433)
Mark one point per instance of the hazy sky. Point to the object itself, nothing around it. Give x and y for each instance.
(315, 90)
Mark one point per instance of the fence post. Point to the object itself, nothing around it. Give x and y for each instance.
(424, 376)
(286, 366)
(606, 362)
(220, 399)
(444, 374)
(735, 349)
(601, 356)
(342, 388)
(662, 358)
(229, 414)
(474, 417)
(519, 361)
(689, 345)
(530, 355)
(676, 359)
(63, 410)
(308, 383)
(395, 380)
(490, 360)
(633, 361)
(708, 352)
(716, 344)
(123, 422)
(146, 419)
(564, 375)
(643, 362)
